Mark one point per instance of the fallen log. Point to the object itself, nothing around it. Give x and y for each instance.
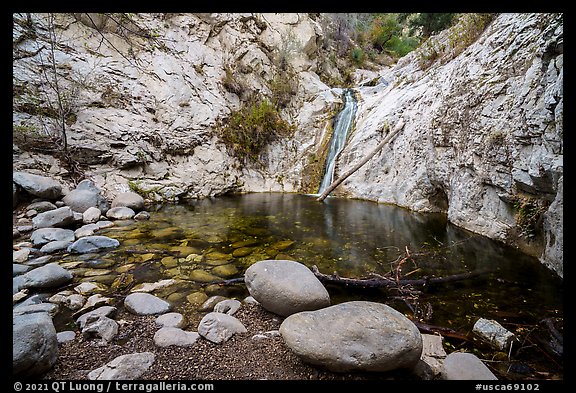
(443, 331)
(385, 282)
(336, 182)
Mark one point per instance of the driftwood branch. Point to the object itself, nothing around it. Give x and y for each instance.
(337, 182)
(385, 282)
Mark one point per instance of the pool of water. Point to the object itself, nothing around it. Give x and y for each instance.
(216, 239)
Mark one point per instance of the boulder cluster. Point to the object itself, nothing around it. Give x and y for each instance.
(52, 223)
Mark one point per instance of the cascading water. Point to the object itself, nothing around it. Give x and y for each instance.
(342, 125)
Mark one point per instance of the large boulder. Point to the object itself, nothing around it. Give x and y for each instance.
(40, 186)
(84, 196)
(61, 217)
(354, 336)
(34, 344)
(285, 287)
(93, 244)
(129, 199)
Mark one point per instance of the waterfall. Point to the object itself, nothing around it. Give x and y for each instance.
(342, 125)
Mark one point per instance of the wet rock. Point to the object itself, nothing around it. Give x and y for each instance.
(45, 235)
(146, 304)
(200, 275)
(93, 244)
(197, 298)
(242, 252)
(217, 327)
(125, 367)
(285, 287)
(40, 186)
(168, 336)
(169, 262)
(171, 319)
(245, 243)
(226, 271)
(129, 199)
(84, 196)
(120, 213)
(465, 366)
(47, 276)
(34, 344)
(61, 217)
(354, 336)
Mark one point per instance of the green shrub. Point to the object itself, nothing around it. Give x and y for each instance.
(358, 56)
(247, 131)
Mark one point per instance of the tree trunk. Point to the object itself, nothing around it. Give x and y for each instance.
(336, 182)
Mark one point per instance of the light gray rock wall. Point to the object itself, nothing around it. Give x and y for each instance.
(482, 129)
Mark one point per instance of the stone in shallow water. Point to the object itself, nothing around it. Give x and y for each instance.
(47, 276)
(200, 275)
(197, 298)
(354, 336)
(93, 244)
(225, 271)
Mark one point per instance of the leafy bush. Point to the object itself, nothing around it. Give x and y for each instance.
(358, 56)
(247, 131)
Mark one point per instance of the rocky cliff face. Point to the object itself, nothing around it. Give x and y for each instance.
(146, 102)
(482, 140)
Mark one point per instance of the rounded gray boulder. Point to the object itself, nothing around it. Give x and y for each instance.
(354, 336)
(146, 304)
(285, 287)
(129, 199)
(34, 344)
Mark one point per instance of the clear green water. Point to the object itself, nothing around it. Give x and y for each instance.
(217, 239)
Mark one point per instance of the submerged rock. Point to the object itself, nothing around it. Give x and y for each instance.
(354, 336)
